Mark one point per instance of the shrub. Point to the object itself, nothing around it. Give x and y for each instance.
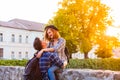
(103, 64)
(13, 62)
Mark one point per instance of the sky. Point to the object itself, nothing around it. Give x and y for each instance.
(32, 10)
(42, 10)
(115, 10)
(115, 13)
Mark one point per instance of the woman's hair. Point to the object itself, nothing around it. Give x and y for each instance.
(56, 34)
(37, 44)
(51, 26)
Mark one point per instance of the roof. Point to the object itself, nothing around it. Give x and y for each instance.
(23, 24)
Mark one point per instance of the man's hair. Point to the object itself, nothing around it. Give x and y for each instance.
(37, 44)
(32, 69)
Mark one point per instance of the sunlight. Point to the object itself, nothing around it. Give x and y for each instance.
(111, 31)
(114, 4)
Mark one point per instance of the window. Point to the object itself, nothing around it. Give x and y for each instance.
(12, 55)
(26, 55)
(26, 40)
(1, 37)
(1, 53)
(20, 38)
(13, 38)
(20, 55)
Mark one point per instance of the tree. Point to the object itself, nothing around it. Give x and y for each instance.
(72, 47)
(82, 22)
(106, 45)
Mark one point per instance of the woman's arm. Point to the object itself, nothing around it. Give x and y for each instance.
(48, 49)
(57, 47)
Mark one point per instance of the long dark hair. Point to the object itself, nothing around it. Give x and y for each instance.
(37, 44)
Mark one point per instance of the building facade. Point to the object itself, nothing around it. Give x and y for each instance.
(16, 38)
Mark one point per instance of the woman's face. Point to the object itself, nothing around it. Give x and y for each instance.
(44, 44)
(50, 33)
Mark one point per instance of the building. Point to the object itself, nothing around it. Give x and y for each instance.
(116, 52)
(16, 38)
(91, 54)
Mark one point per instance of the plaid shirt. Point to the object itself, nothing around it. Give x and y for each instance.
(59, 48)
(46, 60)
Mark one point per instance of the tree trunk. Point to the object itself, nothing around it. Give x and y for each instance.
(85, 55)
(70, 56)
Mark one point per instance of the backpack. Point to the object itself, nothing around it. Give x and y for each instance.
(67, 54)
(32, 70)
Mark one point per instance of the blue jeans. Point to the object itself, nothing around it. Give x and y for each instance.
(51, 71)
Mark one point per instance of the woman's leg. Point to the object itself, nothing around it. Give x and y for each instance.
(51, 72)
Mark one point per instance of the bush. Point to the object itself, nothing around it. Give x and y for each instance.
(103, 64)
(13, 62)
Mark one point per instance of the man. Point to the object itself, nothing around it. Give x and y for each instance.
(46, 60)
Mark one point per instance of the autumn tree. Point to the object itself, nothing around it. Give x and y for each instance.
(82, 22)
(106, 45)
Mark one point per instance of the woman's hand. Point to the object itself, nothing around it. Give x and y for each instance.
(45, 50)
(64, 64)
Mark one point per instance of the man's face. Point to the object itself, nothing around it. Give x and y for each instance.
(44, 44)
(50, 33)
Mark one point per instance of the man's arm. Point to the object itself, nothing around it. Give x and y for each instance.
(39, 53)
(56, 47)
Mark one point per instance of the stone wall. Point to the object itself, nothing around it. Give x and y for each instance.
(16, 73)
(11, 73)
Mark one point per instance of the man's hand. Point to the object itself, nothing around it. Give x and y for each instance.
(39, 53)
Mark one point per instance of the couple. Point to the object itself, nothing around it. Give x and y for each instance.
(51, 56)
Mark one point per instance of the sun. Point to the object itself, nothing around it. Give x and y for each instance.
(113, 31)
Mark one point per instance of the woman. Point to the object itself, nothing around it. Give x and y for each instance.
(56, 44)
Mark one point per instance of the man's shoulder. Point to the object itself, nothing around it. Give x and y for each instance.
(48, 53)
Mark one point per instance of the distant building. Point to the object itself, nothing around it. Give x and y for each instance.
(116, 53)
(91, 54)
(16, 38)
(80, 55)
